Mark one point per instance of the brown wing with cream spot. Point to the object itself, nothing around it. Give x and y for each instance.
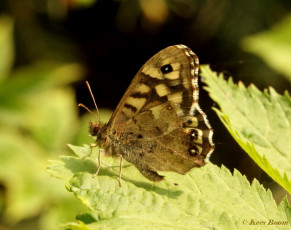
(159, 124)
(155, 84)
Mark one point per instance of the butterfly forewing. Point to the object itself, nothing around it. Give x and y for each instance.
(158, 124)
(151, 87)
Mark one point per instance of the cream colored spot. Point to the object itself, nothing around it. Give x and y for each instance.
(172, 75)
(152, 72)
(167, 61)
(192, 72)
(199, 150)
(176, 66)
(199, 139)
(142, 88)
(210, 137)
(193, 151)
(181, 46)
(176, 97)
(175, 82)
(179, 111)
(196, 61)
(156, 112)
(162, 90)
(185, 82)
(195, 82)
(138, 103)
(191, 52)
(196, 92)
(194, 122)
(196, 70)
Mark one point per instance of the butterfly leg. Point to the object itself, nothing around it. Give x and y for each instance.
(91, 148)
(99, 163)
(120, 170)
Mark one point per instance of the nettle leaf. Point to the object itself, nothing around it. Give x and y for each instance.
(273, 46)
(207, 197)
(258, 121)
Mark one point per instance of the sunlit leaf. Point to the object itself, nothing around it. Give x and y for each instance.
(53, 122)
(207, 197)
(18, 93)
(273, 46)
(259, 122)
(23, 175)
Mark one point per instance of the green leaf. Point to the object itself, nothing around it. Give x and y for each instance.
(29, 191)
(38, 116)
(63, 209)
(273, 46)
(54, 122)
(19, 92)
(6, 46)
(207, 197)
(22, 174)
(258, 121)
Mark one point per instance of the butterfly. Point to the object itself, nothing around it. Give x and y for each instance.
(158, 125)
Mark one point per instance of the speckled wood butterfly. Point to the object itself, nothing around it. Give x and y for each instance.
(158, 124)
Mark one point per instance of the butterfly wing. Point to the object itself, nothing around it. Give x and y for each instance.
(158, 124)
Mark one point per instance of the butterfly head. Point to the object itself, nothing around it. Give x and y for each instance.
(94, 128)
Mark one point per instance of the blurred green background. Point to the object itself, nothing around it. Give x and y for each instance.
(48, 48)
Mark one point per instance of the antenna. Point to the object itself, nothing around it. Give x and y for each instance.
(85, 107)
